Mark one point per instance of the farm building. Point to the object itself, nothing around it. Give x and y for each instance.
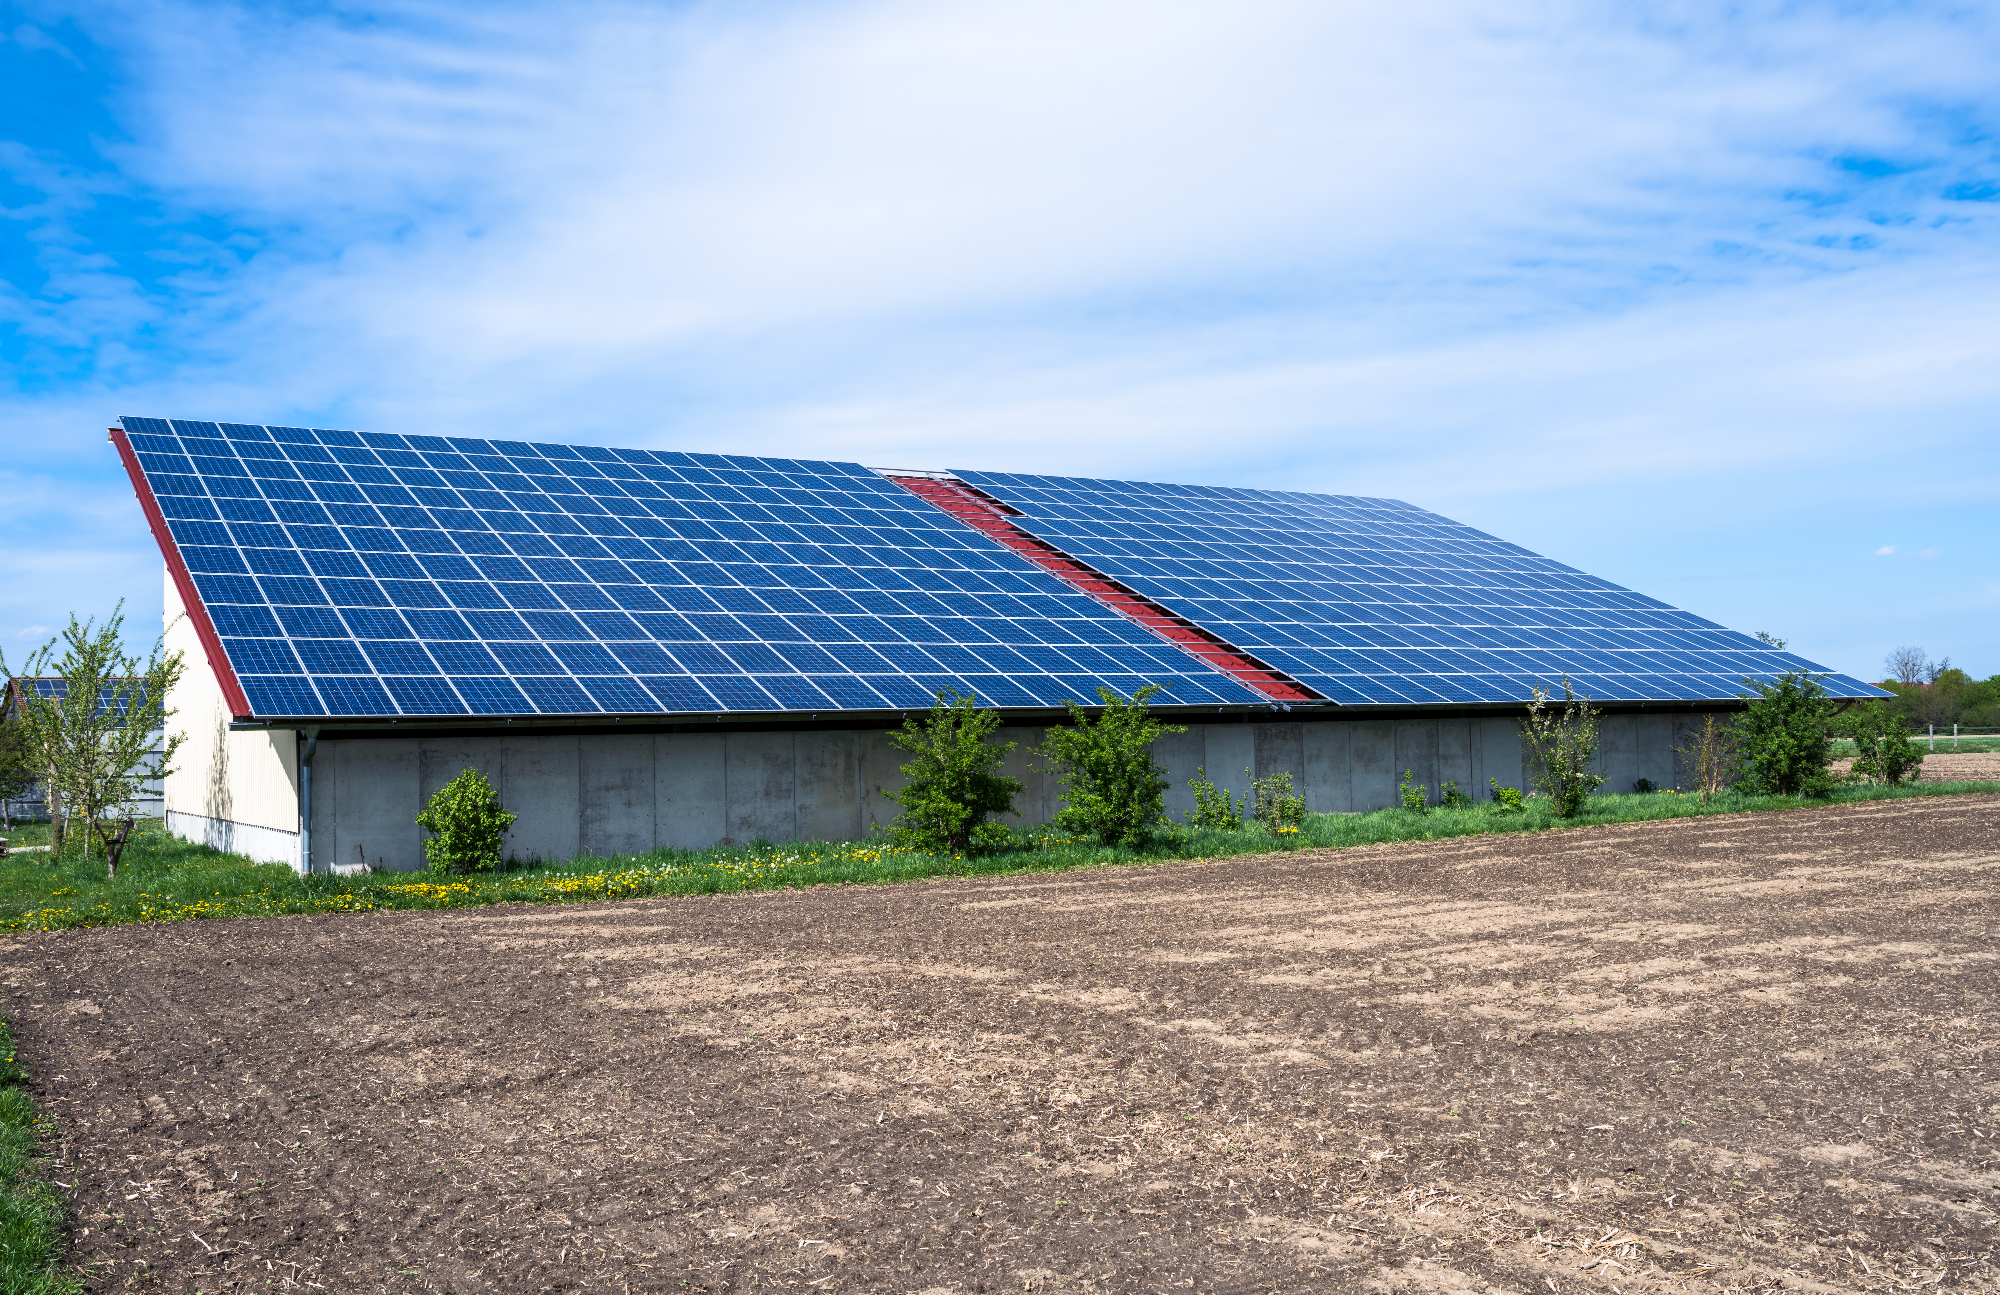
(31, 805)
(644, 647)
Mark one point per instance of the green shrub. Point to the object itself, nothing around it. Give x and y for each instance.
(1712, 758)
(1415, 799)
(1451, 797)
(1213, 806)
(1275, 806)
(467, 825)
(1562, 747)
(1882, 746)
(1786, 738)
(952, 784)
(1112, 788)
(1509, 797)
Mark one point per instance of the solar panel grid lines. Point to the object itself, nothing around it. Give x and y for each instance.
(314, 553)
(991, 518)
(1435, 611)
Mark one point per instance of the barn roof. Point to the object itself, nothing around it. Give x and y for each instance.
(338, 574)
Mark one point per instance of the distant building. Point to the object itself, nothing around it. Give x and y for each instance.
(646, 647)
(30, 806)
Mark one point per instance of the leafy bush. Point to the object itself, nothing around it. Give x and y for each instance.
(1883, 749)
(1276, 807)
(1509, 797)
(1213, 806)
(467, 825)
(1451, 797)
(1786, 736)
(1712, 758)
(1415, 799)
(1645, 786)
(1112, 789)
(953, 784)
(1561, 749)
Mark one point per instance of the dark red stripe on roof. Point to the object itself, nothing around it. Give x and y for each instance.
(197, 614)
(989, 516)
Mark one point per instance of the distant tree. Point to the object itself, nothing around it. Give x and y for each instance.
(1772, 640)
(1112, 788)
(1909, 666)
(1785, 736)
(954, 783)
(92, 742)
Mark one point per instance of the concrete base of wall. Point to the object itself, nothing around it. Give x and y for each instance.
(264, 844)
(625, 793)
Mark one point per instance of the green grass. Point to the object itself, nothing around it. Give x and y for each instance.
(167, 879)
(31, 1209)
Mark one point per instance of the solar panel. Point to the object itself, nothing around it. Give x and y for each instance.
(363, 574)
(1409, 605)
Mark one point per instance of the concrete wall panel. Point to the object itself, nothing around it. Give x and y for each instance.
(1416, 754)
(1328, 782)
(1458, 757)
(542, 775)
(829, 786)
(688, 798)
(762, 786)
(615, 791)
(379, 785)
(1181, 755)
(1374, 769)
(1230, 753)
(1500, 752)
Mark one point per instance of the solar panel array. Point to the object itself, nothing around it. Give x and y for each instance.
(364, 574)
(1375, 601)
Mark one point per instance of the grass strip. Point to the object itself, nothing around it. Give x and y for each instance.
(31, 1208)
(167, 879)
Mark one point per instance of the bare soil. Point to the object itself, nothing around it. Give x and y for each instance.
(1732, 1053)
(1946, 765)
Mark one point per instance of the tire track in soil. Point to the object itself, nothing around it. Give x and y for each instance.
(1716, 1054)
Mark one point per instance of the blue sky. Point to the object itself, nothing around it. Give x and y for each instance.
(1700, 300)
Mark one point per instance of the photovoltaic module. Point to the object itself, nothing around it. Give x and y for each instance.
(344, 574)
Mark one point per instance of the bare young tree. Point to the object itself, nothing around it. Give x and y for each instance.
(1909, 665)
(92, 737)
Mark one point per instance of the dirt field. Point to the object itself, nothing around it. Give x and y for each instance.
(1946, 765)
(1723, 1054)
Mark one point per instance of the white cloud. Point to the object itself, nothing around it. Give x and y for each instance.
(1885, 551)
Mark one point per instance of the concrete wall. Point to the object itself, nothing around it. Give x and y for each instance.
(236, 791)
(623, 793)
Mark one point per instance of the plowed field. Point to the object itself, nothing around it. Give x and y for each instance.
(1732, 1053)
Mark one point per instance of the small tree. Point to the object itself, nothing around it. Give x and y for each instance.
(1561, 749)
(1416, 796)
(1786, 737)
(92, 740)
(1213, 806)
(1275, 806)
(952, 784)
(1112, 789)
(1710, 759)
(1882, 745)
(467, 825)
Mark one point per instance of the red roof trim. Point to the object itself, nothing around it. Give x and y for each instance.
(989, 516)
(197, 614)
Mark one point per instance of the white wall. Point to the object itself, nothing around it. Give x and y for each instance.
(235, 791)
